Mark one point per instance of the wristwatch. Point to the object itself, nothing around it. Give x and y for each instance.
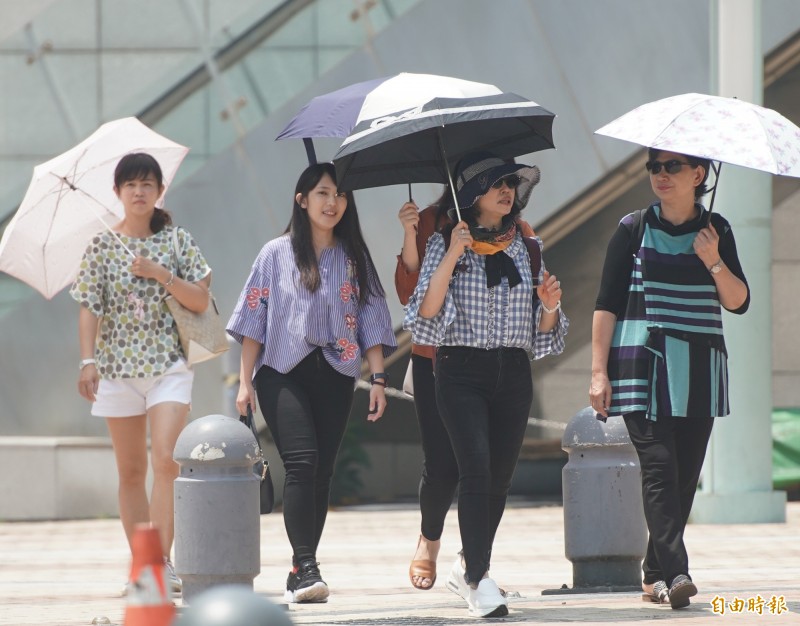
(379, 379)
(86, 362)
(716, 268)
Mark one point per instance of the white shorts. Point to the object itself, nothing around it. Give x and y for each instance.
(126, 397)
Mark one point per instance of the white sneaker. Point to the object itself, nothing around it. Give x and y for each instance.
(455, 579)
(175, 584)
(486, 600)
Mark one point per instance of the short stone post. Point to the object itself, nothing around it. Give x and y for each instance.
(605, 534)
(217, 521)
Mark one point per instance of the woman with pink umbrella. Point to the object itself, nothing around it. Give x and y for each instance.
(132, 367)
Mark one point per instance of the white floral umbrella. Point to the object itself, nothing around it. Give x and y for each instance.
(713, 127)
(71, 198)
(716, 128)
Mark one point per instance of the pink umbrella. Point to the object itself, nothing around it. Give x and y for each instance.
(71, 198)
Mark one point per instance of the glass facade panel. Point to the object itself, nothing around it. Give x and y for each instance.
(99, 60)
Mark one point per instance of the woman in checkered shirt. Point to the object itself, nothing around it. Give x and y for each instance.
(478, 301)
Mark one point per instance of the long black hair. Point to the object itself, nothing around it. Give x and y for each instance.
(702, 188)
(347, 231)
(137, 166)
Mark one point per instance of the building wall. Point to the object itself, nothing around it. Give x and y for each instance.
(588, 62)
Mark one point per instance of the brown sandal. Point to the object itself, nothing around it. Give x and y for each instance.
(422, 568)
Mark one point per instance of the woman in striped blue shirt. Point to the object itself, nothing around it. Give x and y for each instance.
(477, 299)
(312, 307)
(658, 353)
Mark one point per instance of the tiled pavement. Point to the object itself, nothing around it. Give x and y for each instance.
(68, 573)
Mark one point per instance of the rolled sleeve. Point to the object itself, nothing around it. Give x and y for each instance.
(192, 265)
(374, 321)
(429, 331)
(553, 341)
(249, 318)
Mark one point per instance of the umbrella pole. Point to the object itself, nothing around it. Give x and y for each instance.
(310, 152)
(449, 175)
(714, 190)
(103, 222)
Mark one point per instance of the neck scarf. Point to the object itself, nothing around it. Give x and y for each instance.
(491, 244)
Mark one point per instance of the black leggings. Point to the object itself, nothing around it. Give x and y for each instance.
(306, 411)
(671, 452)
(484, 397)
(440, 470)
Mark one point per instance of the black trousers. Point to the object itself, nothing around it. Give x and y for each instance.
(671, 453)
(306, 411)
(484, 397)
(439, 470)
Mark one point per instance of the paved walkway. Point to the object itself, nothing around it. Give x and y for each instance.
(68, 573)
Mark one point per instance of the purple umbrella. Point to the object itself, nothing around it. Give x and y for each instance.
(332, 114)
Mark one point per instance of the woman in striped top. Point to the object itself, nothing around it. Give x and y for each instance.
(312, 307)
(658, 352)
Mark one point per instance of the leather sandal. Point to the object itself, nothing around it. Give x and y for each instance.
(422, 568)
(681, 590)
(660, 594)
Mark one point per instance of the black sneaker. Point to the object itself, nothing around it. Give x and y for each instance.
(305, 584)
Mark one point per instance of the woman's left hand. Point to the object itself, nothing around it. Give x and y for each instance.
(147, 268)
(706, 245)
(377, 402)
(549, 291)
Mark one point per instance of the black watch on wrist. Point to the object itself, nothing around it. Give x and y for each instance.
(379, 379)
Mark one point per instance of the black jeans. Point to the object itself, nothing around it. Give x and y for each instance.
(671, 452)
(484, 397)
(306, 411)
(440, 470)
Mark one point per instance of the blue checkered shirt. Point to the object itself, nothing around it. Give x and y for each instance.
(476, 316)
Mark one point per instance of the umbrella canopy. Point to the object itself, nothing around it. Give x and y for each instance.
(71, 198)
(422, 144)
(335, 114)
(713, 127)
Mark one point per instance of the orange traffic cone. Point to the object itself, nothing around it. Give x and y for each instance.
(149, 601)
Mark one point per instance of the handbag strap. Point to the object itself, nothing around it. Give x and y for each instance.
(175, 248)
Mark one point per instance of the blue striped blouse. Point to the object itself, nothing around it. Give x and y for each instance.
(290, 322)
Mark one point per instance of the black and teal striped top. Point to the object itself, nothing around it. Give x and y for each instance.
(668, 355)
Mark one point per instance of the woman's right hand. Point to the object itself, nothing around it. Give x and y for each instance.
(600, 393)
(246, 395)
(409, 217)
(460, 239)
(88, 382)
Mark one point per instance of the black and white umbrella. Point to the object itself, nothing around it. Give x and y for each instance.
(422, 143)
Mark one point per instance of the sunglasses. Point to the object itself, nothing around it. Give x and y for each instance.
(673, 166)
(512, 182)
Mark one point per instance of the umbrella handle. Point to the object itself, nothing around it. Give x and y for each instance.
(716, 171)
(310, 152)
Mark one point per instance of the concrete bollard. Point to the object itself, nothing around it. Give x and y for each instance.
(605, 534)
(217, 521)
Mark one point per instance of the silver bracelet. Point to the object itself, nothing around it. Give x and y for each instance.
(171, 280)
(553, 310)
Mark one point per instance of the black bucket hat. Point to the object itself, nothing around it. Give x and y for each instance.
(477, 172)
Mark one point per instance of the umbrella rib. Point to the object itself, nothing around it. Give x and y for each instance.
(61, 193)
(72, 187)
(672, 121)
